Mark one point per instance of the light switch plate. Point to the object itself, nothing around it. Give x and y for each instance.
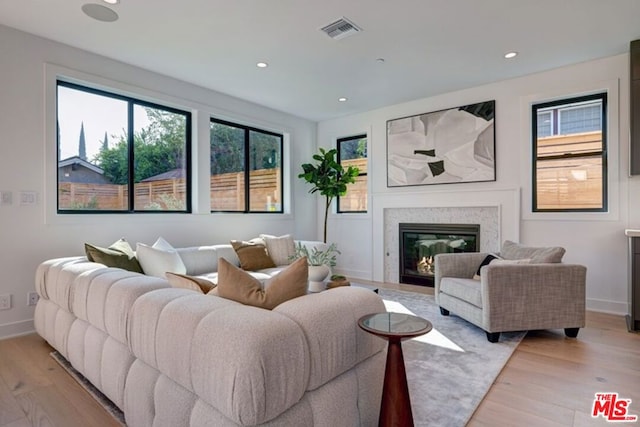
(5, 302)
(6, 197)
(28, 198)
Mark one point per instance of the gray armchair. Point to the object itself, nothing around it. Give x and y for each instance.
(539, 293)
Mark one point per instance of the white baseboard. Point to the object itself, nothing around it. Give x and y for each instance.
(14, 329)
(610, 307)
(353, 274)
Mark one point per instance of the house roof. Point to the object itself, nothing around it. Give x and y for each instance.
(172, 174)
(406, 49)
(79, 161)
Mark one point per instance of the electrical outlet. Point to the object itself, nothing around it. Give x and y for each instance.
(32, 298)
(5, 302)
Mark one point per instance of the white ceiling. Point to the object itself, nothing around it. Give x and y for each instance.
(429, 46)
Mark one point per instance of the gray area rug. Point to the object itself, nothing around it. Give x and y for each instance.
(450, 369)
(103, 400)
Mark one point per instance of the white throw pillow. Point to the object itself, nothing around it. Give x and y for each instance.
(280, 249)
(160, 258)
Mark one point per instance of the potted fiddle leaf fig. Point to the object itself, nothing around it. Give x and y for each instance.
(329, 178)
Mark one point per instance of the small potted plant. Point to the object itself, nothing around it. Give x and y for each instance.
(320, 262)
(337, 280)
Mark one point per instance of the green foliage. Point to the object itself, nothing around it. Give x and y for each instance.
(91, 204)
(316, 256)
(228, 149)
(329, 178)
(167, 202)
(353, 149)
(158, 148)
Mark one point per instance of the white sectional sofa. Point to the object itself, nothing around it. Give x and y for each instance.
(173, 357)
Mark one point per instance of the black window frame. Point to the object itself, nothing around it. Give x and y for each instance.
(339, 142)
(247, 163)
(131, 103)
(602, 96)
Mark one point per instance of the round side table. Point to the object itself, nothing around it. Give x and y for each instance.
(395, 408)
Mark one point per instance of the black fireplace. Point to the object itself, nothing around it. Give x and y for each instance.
(419, 243)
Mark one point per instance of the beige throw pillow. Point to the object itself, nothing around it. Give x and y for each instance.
(252, 254)
(280, 249)
(238, 285)
(193, 283)
(537, 255)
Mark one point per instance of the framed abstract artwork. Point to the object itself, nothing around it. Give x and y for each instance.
(442, 147)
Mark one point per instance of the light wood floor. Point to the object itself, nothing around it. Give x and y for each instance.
(549, 381)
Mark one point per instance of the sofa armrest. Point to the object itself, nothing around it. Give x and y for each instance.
(463, 265)
(534, 295)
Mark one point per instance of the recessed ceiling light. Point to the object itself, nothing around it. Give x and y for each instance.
(262, 65)
(111, 1)
(510, 55)
(380, 60)
(343, 99)
(99, 12)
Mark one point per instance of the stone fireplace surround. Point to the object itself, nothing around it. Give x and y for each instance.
(497, 212)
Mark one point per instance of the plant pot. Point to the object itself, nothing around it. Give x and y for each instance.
(317, 276)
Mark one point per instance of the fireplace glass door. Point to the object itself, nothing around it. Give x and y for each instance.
(419, 243)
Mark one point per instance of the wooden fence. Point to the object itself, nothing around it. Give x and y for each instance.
(569, 183)
(227, 193)
(356, 197)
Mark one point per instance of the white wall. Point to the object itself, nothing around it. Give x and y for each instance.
(595, 240)
(33, 233)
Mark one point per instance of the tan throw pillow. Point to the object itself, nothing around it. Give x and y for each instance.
(118, 255)
(238, 285)
(280, 249)
(193, 283)
(252, 255)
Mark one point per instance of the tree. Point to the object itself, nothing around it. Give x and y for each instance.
(158, 148)
(329, 178)
(82, 145)
(228, 149)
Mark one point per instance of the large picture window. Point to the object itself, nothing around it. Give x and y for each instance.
(570, 155)
(120, 154)
(352, 151)
(246, 169)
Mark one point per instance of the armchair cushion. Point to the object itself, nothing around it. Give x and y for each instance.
(468, 290)
(537, 255)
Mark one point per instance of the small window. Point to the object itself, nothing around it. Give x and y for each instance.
(120, 154)
(246, 169)
(570, 155)
(352, 151)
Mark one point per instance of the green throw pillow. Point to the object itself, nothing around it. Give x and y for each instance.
(118, 255)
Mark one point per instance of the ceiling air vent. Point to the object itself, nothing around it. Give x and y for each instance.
(341, 28)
